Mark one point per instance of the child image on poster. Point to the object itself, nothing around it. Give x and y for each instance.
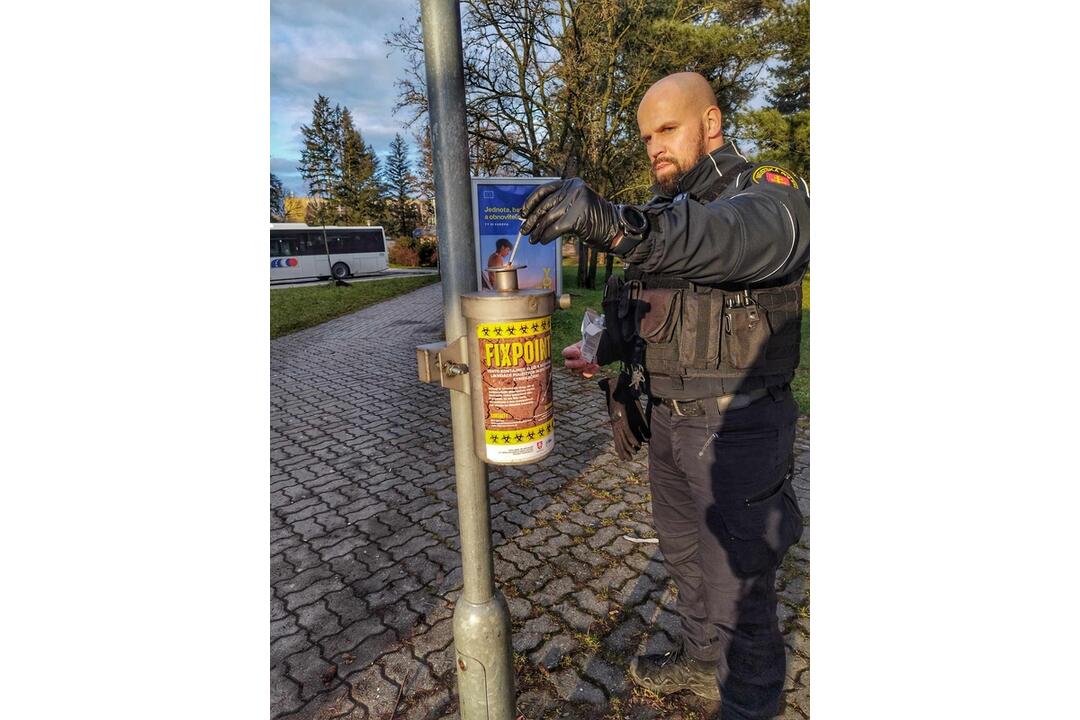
(499, 206)
(498, 259)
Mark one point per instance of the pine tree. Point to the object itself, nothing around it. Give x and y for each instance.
(401, 186)
(320, 159)
(425, 177)
(358, 192)
(277, 199)
(781, 131)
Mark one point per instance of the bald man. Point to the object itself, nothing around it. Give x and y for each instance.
(706, 324)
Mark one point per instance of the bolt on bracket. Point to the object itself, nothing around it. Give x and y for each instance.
(444, 363)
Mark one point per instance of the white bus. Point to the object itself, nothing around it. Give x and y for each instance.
(302, 251)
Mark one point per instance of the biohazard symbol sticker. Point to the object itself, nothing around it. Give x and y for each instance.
(774, 174)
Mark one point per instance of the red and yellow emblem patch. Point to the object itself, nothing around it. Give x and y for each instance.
(774, 174)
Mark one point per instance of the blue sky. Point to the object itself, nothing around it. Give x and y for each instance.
(337, 48)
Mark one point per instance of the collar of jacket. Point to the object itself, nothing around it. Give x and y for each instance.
(702, 176)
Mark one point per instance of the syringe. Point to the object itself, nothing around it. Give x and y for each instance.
(514, 251)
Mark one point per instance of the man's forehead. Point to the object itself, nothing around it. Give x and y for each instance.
(674, 98)
(662, 107)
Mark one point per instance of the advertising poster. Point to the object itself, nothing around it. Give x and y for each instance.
(496, 206)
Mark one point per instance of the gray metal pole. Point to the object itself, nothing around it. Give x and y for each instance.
(481, 618)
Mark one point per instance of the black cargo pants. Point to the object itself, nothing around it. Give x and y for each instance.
(725, 514)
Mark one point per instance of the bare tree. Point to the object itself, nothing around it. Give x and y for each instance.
(553, 85)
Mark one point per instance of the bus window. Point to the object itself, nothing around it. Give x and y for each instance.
(314, 244)
(373, 241)
(287, 245)
(355, 241)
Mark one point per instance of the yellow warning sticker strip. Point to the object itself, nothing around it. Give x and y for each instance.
(522, 436)
(516, 329)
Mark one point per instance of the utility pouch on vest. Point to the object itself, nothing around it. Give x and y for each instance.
(658, 314)
(746, 331)
(699, 331)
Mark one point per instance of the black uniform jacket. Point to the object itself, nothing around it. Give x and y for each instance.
(755, 233)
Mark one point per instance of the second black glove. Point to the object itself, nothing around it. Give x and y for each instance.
(628, 426)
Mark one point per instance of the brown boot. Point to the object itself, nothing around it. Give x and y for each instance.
(675, 671)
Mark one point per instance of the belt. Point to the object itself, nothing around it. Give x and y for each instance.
(691, 408)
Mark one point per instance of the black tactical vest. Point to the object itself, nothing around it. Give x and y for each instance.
(699, 341)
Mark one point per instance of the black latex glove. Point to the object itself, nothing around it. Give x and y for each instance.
(569, 206)
(628, 425)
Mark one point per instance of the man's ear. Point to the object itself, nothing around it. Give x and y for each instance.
(713, 122)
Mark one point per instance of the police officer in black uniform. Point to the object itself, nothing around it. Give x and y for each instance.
(706, 323)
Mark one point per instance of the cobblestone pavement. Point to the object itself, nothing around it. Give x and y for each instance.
(364, 542)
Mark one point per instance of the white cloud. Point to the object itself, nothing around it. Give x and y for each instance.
(335, 48)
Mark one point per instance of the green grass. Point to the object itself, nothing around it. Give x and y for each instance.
(293, 309)
(566, 326)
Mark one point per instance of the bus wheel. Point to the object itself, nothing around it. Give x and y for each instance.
(340, 271)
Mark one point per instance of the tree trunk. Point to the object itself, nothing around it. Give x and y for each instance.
(609, 265)
(594, 257)
(582, 264)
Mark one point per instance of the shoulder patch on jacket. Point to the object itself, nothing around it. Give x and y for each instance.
(774, 174)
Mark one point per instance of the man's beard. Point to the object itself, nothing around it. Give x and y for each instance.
(670, 186)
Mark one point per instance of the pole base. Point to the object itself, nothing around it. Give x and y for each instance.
(485, 674)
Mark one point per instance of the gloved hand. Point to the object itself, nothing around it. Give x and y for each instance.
(628, 425)
(569, 206)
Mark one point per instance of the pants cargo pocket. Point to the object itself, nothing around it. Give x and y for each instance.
(757, 533)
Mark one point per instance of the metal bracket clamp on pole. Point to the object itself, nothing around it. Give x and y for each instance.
(445, 364)
(481, 617)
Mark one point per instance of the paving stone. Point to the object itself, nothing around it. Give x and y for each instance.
(351, 636)
(520, 608)
(799, 697)
(522, 559)
(287, 645)
(604, 536)
(541, 625)
(401, 664)
(538, 704)
(552, 651)
(428, 706)
(312, 592)
(588, 601)
(313, 673)
(329, 704)
(442, 664)
(614, 577)
(284, 627)
(635, 590)
(523, 642)
(553, 591)
(436, 637)
(318, 620)
(612, 678)
(284, 692)
(625, 637)
(400, 619)
(574, 688)
(575, 618)
(373, 690)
